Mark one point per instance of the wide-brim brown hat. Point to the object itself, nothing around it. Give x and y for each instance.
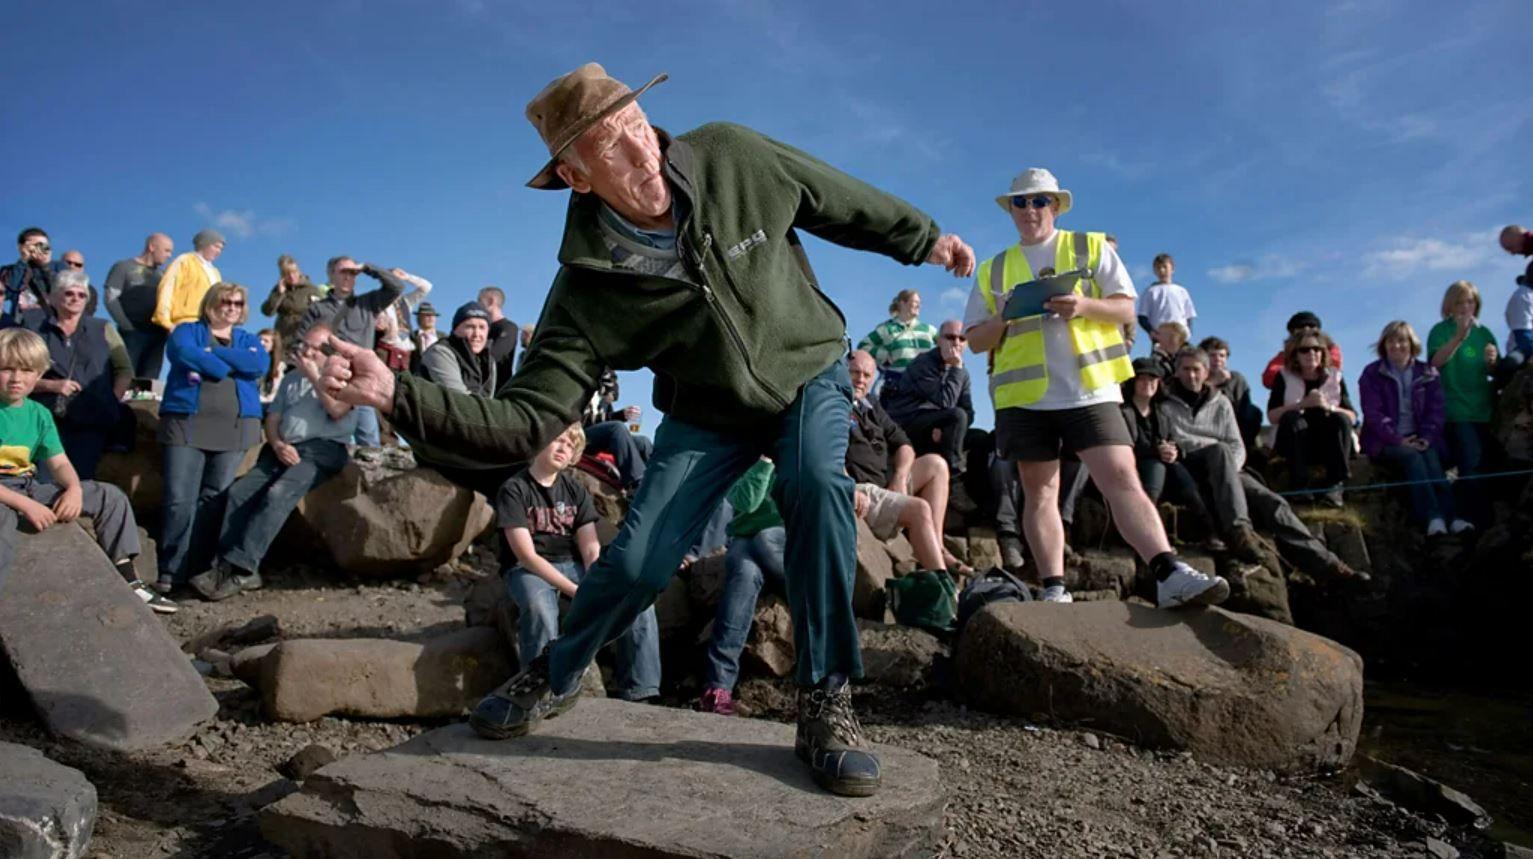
(571, 104)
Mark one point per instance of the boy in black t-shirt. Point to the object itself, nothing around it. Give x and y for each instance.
(549, 525)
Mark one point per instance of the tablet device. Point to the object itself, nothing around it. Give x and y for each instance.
(1026, 299)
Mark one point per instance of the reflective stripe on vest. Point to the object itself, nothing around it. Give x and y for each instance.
(1020, 373)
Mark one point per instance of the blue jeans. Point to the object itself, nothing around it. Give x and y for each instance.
(691, 470)
(1466, 449)
(196, 490)
(368, 434)
(1430, 498)
(630, 451)
(261, 501)
(747, 566)
(146, 349)
(636, 651)
(715, 534)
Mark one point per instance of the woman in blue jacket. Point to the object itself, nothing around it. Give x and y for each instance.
(210, 415)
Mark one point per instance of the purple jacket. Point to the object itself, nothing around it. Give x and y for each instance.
(1381, 406)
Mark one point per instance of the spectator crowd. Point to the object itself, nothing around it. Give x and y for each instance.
(1180, 425)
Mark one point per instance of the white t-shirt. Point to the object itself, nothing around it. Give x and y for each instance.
(1519, 309)
(1166, 302)
(1064, 391)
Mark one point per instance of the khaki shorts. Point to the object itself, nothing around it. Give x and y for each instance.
(884, 506)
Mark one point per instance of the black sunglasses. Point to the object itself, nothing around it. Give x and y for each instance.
(72, 264)
(1041, 201)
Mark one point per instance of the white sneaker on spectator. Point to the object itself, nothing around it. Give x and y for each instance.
(1460, 526)
(1186, 586)
(1436, 527)
(157, 603)
(1056, 593)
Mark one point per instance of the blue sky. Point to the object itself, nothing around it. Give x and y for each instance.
(1352, 158)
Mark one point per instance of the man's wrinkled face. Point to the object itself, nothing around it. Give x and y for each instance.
(622, 165)
(863, 371)
(75, 260)
(426, 321)
(1192, 373)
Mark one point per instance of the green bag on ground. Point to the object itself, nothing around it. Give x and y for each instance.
(924, 598)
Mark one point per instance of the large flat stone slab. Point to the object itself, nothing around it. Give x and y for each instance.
(47, 810)
(99, 666)
(1231, 688)
(607, 779)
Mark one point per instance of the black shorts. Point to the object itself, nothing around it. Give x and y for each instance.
(1038, 435)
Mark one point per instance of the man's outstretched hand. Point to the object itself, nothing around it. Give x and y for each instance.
(951, 253)
(357, 376)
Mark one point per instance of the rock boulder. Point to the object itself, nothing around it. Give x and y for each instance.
(98, 665)
(304, 679)
(47, 810)
(1233, 689)
(711, 786)
(392, 523)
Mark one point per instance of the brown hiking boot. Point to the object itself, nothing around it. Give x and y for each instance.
(1245, 545)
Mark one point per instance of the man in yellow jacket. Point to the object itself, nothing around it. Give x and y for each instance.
(187, 280)
(1055, 371)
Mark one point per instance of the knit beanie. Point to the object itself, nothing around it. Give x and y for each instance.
(471, 310)
(1303, 319)
(207, 237)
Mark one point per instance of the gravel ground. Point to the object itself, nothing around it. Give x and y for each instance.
(1014, 789)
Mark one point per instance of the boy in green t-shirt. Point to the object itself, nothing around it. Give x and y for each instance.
(27, 436)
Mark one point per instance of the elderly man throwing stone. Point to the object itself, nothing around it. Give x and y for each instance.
(680, 254)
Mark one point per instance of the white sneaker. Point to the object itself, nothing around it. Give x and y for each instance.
(1460, 526)
(1436, 528)
(1056, 593)
(157, 603)
(1186, 586)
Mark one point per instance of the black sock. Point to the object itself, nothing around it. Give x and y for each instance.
(1051, 581)
(1163, 565)
(125, 569)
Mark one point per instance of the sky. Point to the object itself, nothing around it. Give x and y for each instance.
(1350, 158)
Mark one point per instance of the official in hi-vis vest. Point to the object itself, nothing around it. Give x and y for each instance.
(1054, 378)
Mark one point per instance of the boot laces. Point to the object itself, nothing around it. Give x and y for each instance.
(834, 709)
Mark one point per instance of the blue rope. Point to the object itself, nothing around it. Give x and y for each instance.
(1394, 484)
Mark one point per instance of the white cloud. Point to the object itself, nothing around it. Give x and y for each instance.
(1428, 254)
(1269, 267)
(242, 223)
(954, 296)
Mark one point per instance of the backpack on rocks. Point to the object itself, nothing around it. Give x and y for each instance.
(993, 585)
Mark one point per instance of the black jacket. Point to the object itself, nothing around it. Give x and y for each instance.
(927, 384)
(874, 436)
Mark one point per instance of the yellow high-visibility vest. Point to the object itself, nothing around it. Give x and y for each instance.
(1020, 373)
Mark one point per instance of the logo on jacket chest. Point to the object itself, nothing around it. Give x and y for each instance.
(738, 250)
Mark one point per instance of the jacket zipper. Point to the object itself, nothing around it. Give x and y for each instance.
(696, 262)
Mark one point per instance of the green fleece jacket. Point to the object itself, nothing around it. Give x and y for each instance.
(751, 498)
(730, 348)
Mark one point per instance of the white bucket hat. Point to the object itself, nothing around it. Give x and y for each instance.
(1035, 180)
